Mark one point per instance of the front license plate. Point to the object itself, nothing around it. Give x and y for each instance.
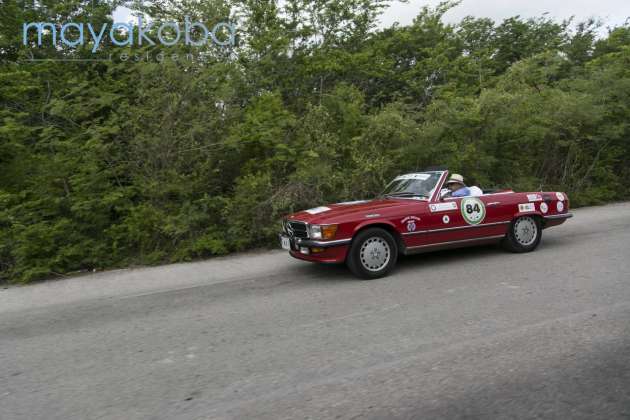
(286, 243)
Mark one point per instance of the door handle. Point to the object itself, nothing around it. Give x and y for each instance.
(494, 204)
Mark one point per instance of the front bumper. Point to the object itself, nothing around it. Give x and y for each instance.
(334, 251)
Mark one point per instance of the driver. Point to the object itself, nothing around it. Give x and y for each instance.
(455, 187)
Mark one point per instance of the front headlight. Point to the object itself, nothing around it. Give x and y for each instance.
(323, 231)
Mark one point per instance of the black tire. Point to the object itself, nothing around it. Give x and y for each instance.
(524, 234)
(373, 254)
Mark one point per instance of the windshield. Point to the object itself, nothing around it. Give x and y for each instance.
(420, 185)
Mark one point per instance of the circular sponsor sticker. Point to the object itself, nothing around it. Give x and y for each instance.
(560, 206)
(473, 210)
(446, 219)
(560, 196)
(544, 207)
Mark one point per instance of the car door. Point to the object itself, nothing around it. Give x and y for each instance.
(482, 216)
(439, 223)
(462, 219)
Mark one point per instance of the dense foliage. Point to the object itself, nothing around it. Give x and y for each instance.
(112, 163)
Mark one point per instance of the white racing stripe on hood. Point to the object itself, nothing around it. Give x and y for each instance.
(349, 203)
(318, 210)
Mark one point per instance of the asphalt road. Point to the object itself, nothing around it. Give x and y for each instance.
(475, 333)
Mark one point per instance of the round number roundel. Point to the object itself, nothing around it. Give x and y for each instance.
(473, 210)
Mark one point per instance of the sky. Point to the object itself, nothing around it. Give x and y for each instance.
(612, 12)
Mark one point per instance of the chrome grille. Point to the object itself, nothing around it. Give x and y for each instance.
(297, 229)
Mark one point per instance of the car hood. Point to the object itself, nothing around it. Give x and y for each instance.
(341, 212)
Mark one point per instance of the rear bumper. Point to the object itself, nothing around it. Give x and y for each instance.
(556, 219)
(559, 216)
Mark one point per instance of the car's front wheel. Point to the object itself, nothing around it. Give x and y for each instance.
(524, 235)
(373, 254)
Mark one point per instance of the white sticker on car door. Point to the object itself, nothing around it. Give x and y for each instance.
(451, 205)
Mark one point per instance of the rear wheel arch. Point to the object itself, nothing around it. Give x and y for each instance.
(530, 214)
(511, 243)
(536, 216)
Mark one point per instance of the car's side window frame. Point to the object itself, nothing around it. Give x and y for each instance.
(436, 197)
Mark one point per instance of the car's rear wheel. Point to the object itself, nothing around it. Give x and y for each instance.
(524, 235)
(373, 254)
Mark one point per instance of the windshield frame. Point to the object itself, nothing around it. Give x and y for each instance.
(430, 196)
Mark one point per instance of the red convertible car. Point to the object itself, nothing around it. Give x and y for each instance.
(415, 214)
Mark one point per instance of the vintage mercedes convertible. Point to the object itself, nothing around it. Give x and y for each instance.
(415, 213)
